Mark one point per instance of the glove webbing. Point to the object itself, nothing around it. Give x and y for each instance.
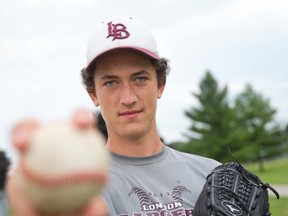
(228, 181)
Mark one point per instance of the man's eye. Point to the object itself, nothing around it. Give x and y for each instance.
(141, 79)
(110, 83)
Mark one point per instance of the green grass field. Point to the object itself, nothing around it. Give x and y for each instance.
(279, 207)
(275, 171)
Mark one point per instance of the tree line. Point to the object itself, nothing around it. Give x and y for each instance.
(246, 125)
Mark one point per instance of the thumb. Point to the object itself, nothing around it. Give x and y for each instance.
(22, 132)
(83, 118)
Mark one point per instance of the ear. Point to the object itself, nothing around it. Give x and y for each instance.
(160, 91)
(94, 98)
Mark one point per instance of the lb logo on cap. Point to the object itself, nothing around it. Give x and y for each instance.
(117, 31)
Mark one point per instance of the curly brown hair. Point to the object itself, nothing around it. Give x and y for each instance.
(161, 66)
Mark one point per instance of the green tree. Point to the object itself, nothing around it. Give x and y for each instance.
(247, 126)
(255, 118)
(209, 132)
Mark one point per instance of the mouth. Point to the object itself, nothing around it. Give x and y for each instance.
(130, 113)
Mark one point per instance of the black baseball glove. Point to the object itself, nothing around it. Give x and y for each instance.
(231, 190)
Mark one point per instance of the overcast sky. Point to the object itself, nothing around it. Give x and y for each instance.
(43, 43)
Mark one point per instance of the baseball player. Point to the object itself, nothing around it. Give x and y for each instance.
(125, 76)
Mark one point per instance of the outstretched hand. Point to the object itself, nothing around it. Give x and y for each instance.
(21, 135)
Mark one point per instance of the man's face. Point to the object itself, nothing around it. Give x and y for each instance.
(126, 89)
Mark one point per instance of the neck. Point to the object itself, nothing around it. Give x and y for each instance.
(141, 147)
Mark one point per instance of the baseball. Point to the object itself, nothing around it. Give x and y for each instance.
(63, 167)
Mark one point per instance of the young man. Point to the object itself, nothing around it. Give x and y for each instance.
(125, 77)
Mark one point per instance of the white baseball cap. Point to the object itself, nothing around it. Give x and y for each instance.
(120, 32)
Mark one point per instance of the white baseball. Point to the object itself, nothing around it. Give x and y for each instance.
(63, 167)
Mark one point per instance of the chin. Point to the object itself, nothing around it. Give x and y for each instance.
(133, 135)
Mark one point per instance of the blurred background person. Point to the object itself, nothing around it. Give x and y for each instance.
(4, 167)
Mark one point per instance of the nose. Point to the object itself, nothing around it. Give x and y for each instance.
(127, 95)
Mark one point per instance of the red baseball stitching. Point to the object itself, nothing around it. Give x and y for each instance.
(79, 177)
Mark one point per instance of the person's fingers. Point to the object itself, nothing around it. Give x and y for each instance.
(83, 118)
(97, 207)
(18, 203)
(22, 133)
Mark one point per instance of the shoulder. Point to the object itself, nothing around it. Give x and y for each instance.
(193, 159)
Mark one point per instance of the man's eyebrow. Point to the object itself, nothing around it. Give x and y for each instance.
(138, 73)
(108, 77)
(142, 72)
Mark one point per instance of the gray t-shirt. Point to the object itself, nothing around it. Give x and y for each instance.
(167, 183)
